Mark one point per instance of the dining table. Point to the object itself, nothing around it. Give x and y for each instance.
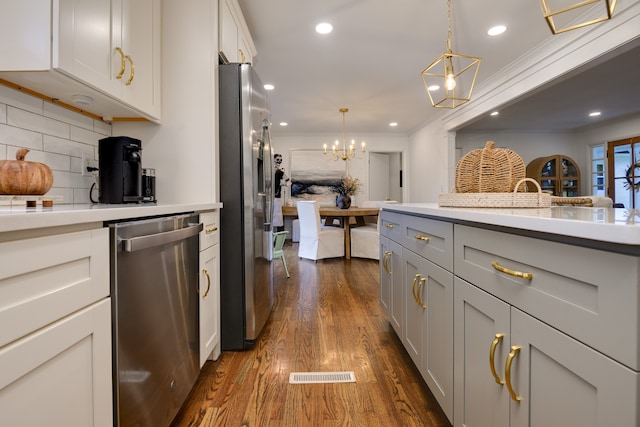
(330, 213)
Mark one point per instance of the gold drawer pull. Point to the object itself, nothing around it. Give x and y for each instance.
(413, 288)
(510, 272)
(423, 238)
(420, 285)
(206, 273)
(211, 230)
(123, 65)
(385, 261)
(515, 349)
(492, 355)
(389, 225)
(133, 70)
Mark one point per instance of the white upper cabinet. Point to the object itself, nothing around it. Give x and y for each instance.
(235, 40)
(108, 51)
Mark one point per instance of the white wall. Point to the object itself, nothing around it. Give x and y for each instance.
(55, 136)
(357, 168)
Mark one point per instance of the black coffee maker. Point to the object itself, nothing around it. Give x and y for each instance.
(120, 170)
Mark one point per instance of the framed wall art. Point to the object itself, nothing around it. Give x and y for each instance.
(313, 176)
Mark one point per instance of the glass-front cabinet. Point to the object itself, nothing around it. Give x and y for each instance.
(557, 175)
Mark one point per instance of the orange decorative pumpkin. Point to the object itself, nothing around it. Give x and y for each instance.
(489, 170)
(20, 177)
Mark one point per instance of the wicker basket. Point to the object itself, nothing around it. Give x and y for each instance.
(489, 170)
(514, 199)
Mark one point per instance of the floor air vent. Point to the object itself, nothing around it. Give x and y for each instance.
(321, 377)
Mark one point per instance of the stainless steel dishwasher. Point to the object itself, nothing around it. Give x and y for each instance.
(154, 285)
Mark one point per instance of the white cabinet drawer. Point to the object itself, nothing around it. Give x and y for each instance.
(44, 279)
(589, 294)
(211, 232)
(390, 225)
(429, 238)
(64, 370)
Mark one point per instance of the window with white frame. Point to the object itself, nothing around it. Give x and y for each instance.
(598, 162)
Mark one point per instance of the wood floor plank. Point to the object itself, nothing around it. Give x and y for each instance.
(326, 318)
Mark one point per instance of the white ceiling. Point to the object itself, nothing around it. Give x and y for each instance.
(371, 62)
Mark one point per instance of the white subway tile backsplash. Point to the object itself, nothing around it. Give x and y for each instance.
(67, 116)
(20, 138)
(31, 121)
(87, 136)
(20, 100)
(56, 137)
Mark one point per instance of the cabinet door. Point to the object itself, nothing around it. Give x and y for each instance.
(60, 375)
(209, 292)
(141, 45)
(436, 294)
(397, 310)
(386, 275)
(414, 309)
(562, 382)
(480, 397)
(84, 42)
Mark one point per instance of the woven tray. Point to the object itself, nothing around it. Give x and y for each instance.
(514, 199)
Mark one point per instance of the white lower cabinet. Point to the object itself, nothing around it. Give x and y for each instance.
(514, 370)
(60, 375)
(209, 287)
(55, 331)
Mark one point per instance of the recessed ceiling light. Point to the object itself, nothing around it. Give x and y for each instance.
(494, 113)
(497, 30)
(269, 86)
(283, 123)
(433, 87)
(393, 124)
(324, 28)
(594, 114)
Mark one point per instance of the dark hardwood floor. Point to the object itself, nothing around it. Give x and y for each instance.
(326, 318)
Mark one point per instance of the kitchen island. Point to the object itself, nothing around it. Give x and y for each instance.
(55, 308)
(518, 317)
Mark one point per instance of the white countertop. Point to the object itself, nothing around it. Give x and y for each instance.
(22, 218)
(601, 224)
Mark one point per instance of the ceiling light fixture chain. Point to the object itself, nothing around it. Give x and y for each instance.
(454, 83)
(343, 153)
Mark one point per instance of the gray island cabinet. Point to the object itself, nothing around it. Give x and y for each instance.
(523, 317)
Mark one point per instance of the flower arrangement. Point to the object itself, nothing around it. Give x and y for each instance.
(348, 186)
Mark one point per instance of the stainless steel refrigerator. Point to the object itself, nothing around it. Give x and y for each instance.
(246, 191)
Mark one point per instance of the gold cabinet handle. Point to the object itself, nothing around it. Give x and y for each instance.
(413, 288)
(243, 59)
(385, 261)
(510, 272)
(423, 238)
(206, 273)
(211, 230)
(132, 70)
(492, 355)
(389, 225)
(515, 349)
(122, 65)
(420, 285)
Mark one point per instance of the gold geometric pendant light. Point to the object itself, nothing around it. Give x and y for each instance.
(560, 16)
(450, 79)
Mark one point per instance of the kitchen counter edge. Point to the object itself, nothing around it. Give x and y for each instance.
(22, 218)
(609, 225)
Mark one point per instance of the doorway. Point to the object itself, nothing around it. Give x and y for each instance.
(624, 171)
(385, 176)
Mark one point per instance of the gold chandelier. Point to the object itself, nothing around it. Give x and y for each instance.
(447, 70)
(343, 152)
(567, 14)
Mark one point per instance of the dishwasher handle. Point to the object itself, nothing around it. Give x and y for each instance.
(138, 243)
